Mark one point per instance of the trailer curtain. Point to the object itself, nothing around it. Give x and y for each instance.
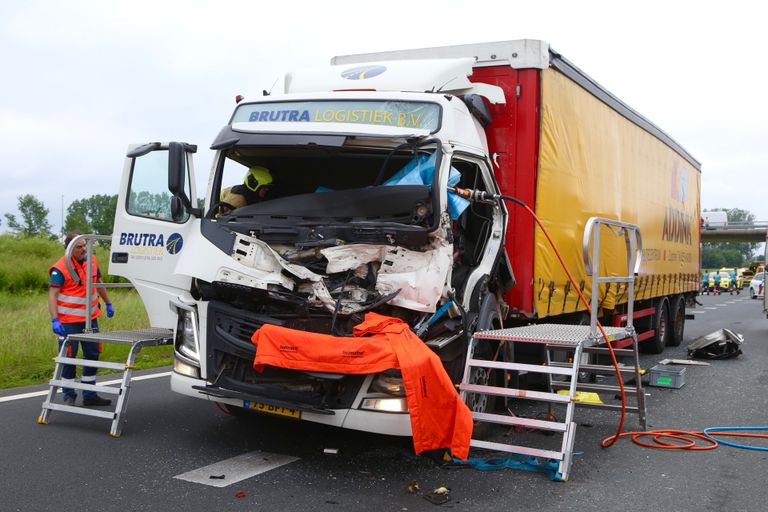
(595, 162)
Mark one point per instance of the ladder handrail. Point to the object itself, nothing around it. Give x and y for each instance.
(634, 246)
(624, 226)
(89, 285)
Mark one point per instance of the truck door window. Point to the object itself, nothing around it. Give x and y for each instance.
(473, 227)
(148, 191)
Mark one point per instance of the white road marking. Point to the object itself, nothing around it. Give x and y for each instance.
(708, 307)
(236, 469)
(721, 304)
(698, 312)
(105, 383)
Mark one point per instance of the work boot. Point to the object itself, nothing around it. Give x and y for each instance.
(70, 399)
(96, 400)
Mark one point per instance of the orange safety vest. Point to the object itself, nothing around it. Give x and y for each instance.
(439, 418)
(71, 301)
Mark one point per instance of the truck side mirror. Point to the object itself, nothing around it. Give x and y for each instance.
(177, 172)
(176, 169)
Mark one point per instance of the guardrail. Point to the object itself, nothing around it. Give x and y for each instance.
(755, 232)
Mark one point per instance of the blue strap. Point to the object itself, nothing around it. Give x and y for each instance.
(523, 462)
(734, 445)
(422, 327)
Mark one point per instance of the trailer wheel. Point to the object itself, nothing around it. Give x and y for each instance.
(677, 321)
(660, 325)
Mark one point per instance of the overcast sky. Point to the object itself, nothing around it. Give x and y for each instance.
(83, 79)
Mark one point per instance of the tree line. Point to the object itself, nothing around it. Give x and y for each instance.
(95, 214)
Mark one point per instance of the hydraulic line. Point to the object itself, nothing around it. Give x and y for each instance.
(491, 198)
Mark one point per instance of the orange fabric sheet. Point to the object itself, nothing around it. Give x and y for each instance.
(439, 418)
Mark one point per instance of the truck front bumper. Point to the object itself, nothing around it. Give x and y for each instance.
(388, 423)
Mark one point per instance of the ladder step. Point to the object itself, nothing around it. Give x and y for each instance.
(620, 352)
(597, 368)
(606, 388)
(501, 365)
(503, 419)
(88, 362)
(511, 448)
(629, 408)
(87, 387)
(515, 393)
(110, 415)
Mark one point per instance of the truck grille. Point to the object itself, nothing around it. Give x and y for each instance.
(230, 365)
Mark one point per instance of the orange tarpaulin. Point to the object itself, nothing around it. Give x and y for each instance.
(439, 419)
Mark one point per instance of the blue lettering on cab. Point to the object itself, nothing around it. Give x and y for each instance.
(142, 239)
(279, 115)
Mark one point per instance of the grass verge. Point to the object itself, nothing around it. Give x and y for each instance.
(27, 345)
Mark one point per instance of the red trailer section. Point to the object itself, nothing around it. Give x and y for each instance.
(513, 141)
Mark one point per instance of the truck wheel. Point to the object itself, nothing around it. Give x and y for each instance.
(655, 345)
(677, 321)
(488, 318)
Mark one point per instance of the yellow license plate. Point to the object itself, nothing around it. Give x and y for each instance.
(273, 409)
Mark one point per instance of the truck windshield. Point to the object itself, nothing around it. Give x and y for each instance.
(316, 185)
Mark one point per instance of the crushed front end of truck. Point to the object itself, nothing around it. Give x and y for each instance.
(353, 223)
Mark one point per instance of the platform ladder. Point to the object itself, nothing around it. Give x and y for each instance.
(578, 340)
(137, 339)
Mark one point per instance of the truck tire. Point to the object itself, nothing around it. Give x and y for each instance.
(660, 325)
(677, 321)
(488, 318)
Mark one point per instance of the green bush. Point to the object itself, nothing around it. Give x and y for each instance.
(28, 345)
(24, 262)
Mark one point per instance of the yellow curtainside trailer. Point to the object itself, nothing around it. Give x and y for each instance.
(595, 162)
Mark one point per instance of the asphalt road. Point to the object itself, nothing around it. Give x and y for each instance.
(73, 464)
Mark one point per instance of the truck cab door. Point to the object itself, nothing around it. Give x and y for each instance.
(155, 215)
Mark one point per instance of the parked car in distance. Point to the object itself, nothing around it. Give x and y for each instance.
(746, 276)
(757, 285)
(719, 284)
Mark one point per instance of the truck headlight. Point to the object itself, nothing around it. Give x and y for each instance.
(385, 404)
(389, 382)
(186, 338)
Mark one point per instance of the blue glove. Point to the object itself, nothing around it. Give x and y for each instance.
(57, 327)
(110, 310)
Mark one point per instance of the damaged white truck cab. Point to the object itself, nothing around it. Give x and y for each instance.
(359, 218)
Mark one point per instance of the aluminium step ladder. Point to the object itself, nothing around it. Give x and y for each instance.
(138, 339)
(578, 340)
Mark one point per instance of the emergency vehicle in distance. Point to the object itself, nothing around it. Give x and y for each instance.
(361, 218)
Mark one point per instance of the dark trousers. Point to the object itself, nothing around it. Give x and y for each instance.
(91, 351)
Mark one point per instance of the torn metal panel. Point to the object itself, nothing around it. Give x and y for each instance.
(419, 275)
(262, 280)
(254, 253)
(350, 257)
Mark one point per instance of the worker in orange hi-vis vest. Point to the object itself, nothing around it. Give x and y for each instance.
(67, 305)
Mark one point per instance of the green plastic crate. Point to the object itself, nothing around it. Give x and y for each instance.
(667, 376)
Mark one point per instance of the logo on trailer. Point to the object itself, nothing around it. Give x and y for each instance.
(679, 179)
(174, 243)
(363, 72)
